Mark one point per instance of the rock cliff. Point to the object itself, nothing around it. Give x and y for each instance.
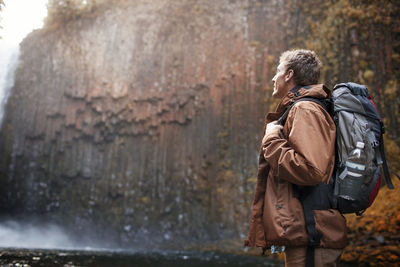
(142, 123)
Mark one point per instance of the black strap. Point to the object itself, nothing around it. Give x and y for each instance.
(283, 118)
(310, 255)
(307, 200)
(385, 165)
(314, 238)
(305, 196)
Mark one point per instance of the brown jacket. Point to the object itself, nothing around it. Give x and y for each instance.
(302, 154)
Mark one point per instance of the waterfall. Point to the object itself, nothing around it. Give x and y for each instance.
(18, 18)
(9, 56)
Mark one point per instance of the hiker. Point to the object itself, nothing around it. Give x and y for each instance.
(299, 153)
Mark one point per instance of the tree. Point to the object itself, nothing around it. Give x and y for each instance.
(356, 40)
(62, 11)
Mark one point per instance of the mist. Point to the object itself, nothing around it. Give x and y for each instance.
(25, 235)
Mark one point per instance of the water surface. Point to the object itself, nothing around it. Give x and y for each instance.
(120, 258)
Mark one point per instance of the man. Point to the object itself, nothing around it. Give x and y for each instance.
(300, 153)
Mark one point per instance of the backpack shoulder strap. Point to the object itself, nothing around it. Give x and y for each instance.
(304, 196)
(283, 118)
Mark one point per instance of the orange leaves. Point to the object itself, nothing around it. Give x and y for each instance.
(397, 218)
(381, 225)
(393, 258)
(374, 237)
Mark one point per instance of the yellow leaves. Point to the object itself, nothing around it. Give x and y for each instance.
(228, 174)
(271, 60)
(356, 13)
(363, 64)
(254, 44)
(145, 200)
(222, 134)
(252, 180)
(391, 89)
(396, 57)
(368, 76)
(223, 164)
(330, 54)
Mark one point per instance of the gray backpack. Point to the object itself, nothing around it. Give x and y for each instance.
(354, 185)
(357, 121)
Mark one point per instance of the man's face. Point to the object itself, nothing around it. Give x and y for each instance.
(280, 85)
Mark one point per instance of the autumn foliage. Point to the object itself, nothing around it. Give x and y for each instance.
(374, 237)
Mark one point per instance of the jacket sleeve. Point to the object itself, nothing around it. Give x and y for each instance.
(306, 156)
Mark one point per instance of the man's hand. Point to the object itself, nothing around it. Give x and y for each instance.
(271, 128)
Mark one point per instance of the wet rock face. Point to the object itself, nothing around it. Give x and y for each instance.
(142, 121)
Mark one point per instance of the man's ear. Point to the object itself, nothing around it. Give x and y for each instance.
(289, 75)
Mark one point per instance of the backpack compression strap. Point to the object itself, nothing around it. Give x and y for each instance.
(385, 166)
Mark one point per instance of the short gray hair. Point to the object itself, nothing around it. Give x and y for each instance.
(305, 65)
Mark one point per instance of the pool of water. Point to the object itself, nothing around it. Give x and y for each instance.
(118, 258)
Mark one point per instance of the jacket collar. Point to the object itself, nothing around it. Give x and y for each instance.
(319, 91)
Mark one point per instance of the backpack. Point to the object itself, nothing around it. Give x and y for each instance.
(357, 120)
